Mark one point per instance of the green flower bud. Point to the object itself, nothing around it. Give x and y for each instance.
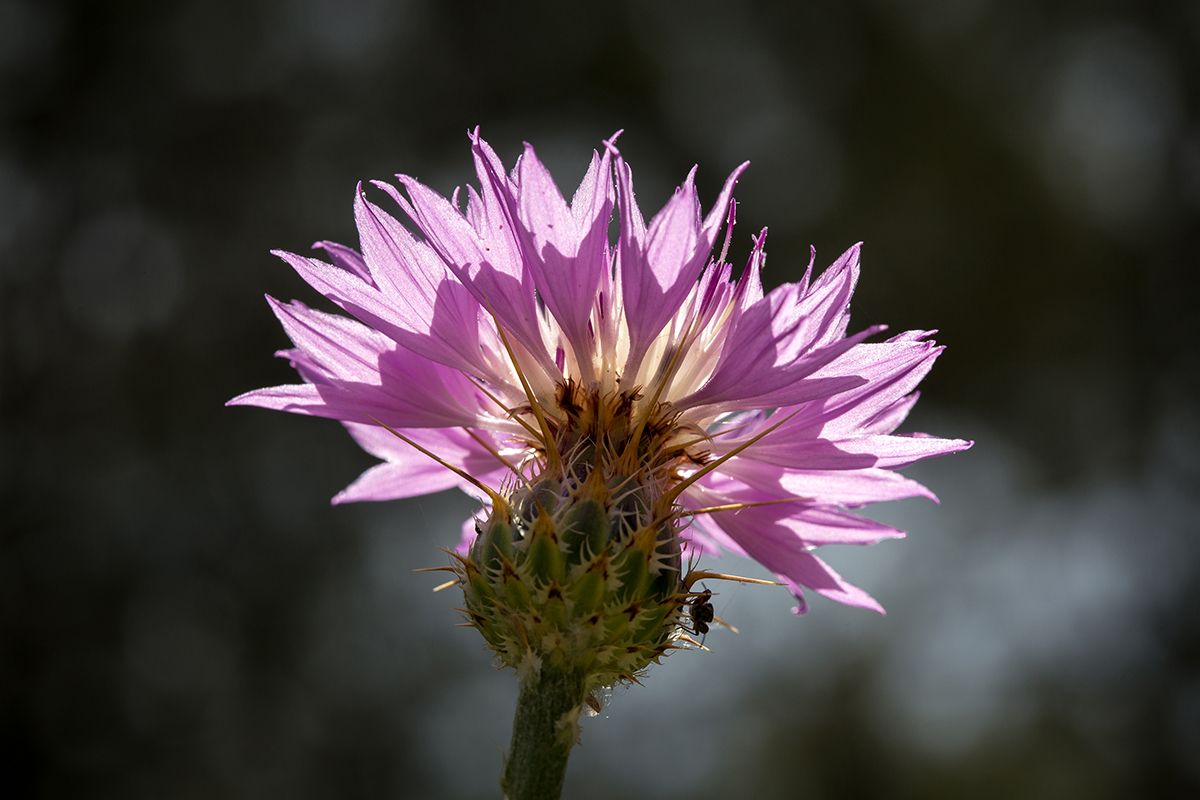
(577, 575)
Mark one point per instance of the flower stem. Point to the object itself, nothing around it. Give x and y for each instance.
(544, 731)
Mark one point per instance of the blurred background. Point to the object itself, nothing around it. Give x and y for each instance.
(185, 616)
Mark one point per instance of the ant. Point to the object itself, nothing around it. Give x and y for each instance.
(701, 612)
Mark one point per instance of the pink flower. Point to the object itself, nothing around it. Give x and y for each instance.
(482, 339)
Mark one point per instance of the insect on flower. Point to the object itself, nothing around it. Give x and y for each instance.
(701, 611)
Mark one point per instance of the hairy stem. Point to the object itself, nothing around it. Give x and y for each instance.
(544, 731)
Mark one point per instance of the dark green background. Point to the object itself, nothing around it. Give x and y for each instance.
(185, 616)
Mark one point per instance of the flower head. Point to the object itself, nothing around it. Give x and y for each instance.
(605, 399)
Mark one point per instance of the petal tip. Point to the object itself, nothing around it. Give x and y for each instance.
(243, 399)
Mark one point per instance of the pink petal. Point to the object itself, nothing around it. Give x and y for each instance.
(567, 248)
(748, 378)
(457, 446)
(879, 374)
(659, 266)
(813, 522)
(396, 481)
(347, 259)
(487, 262)
(849, 488)
(804, 570)
(772, 543)
(760, 346)
(750, 289)
(828, 300)
(853, 452)
(409, 472)
(439, 340)
(894, 369)
(890, 416)
(354, 371)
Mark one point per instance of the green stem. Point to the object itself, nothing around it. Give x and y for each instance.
(544, 731)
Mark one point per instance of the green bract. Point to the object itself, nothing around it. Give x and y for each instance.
(577, 576)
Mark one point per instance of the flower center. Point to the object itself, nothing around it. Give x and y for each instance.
(620, 433)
